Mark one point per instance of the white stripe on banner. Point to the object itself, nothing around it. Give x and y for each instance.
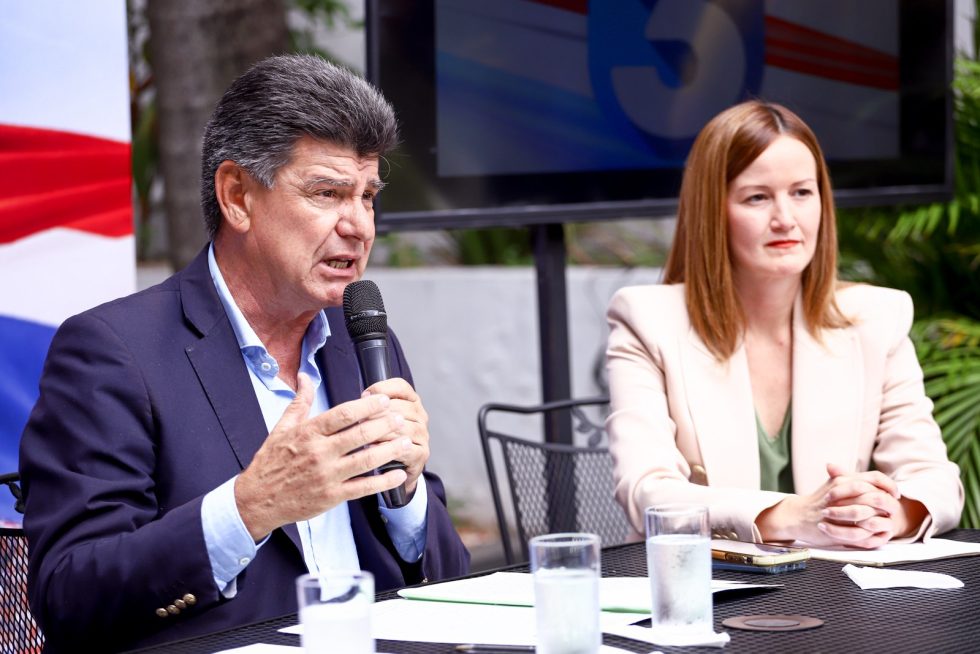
(63, 65)
(58, 273)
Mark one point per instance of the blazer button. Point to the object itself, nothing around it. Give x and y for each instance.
(161, 612)
(180, 604)
(172, 610)
(190, 599)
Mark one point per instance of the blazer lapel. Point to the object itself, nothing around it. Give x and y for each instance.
(827, 401)
(217, 360)
(720, 401)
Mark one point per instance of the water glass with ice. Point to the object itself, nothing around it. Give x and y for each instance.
(566, 593)
(679, 567)
(335, 611)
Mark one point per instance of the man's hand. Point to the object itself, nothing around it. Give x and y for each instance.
(406, 403)
(309, 465)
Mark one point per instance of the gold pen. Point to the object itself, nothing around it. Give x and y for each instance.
(473, 648)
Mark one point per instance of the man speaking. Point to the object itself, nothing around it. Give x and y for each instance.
(198, 445)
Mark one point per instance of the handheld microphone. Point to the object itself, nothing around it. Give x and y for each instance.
(367, 324)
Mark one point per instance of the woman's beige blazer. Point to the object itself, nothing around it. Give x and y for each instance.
(682, 425)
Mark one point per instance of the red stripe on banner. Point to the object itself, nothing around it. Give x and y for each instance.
(802, 49)
(61, 179)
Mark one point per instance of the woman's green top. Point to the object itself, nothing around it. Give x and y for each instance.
(776, 473)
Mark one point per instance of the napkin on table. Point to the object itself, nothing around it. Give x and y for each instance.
(889, 578)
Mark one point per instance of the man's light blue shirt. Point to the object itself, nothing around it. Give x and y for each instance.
(328, 542)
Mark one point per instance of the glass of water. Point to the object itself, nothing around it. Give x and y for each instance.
(335, 611)
(566, 593)
(679, 567)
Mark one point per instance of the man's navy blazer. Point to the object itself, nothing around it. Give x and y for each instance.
(146, 406)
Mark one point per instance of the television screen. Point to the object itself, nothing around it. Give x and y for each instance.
(539, 111)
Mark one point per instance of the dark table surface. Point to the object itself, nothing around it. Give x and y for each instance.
(855, 620)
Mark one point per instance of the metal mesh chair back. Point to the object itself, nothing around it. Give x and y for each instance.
(552, 487)
(19, 634)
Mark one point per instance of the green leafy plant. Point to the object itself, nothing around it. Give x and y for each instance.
(933, 252)
(949, 350)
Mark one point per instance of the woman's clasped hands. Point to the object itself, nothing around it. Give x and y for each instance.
(863, 510)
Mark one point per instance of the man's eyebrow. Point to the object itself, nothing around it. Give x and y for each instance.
(330, 181)
(375, 183)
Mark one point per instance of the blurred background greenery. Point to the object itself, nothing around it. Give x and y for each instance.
(933, 252)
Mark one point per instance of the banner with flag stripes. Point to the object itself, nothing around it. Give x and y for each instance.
(66, 227)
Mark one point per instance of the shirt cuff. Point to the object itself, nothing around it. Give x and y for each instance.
(230, 546)
(406, 525)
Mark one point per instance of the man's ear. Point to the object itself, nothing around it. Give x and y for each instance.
(231, 184)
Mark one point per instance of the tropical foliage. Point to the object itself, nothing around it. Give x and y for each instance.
(933, 252)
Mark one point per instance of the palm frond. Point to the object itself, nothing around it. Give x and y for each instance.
(949, 351)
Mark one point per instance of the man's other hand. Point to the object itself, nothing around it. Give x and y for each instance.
(307, 466)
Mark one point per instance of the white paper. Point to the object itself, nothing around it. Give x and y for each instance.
(645, 634)
(262, 648)
(618, 594)
(449, 622)
(935, 548)
(881, 578)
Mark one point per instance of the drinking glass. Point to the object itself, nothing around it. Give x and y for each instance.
(679, 566)
(335, 611)
(566, 593)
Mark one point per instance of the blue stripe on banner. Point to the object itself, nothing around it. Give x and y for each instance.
(23, 346)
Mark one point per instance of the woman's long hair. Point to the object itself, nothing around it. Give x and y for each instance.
(700, 256)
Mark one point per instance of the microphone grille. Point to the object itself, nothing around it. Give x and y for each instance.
(364, 312)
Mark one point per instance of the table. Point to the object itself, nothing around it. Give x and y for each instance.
(888, 620)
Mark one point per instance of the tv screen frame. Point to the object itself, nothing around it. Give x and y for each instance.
(402, 62)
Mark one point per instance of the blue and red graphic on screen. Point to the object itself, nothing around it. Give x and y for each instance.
(590, 85)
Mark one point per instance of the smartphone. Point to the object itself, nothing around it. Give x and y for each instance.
(764, 569)
(758, 554)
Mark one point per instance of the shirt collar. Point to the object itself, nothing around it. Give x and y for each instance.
(249, 343)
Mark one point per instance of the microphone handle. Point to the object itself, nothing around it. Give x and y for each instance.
(372, 356)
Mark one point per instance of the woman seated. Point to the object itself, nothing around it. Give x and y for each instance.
(754, 382)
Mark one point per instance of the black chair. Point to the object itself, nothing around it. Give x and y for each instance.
(553, 487)
(19, 634)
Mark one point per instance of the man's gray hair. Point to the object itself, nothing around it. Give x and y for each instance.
(275, 103)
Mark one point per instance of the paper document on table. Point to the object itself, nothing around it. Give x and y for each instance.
(892, 553)
(262, 648)
(265, 648)
(449, 622)
(616, 594)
